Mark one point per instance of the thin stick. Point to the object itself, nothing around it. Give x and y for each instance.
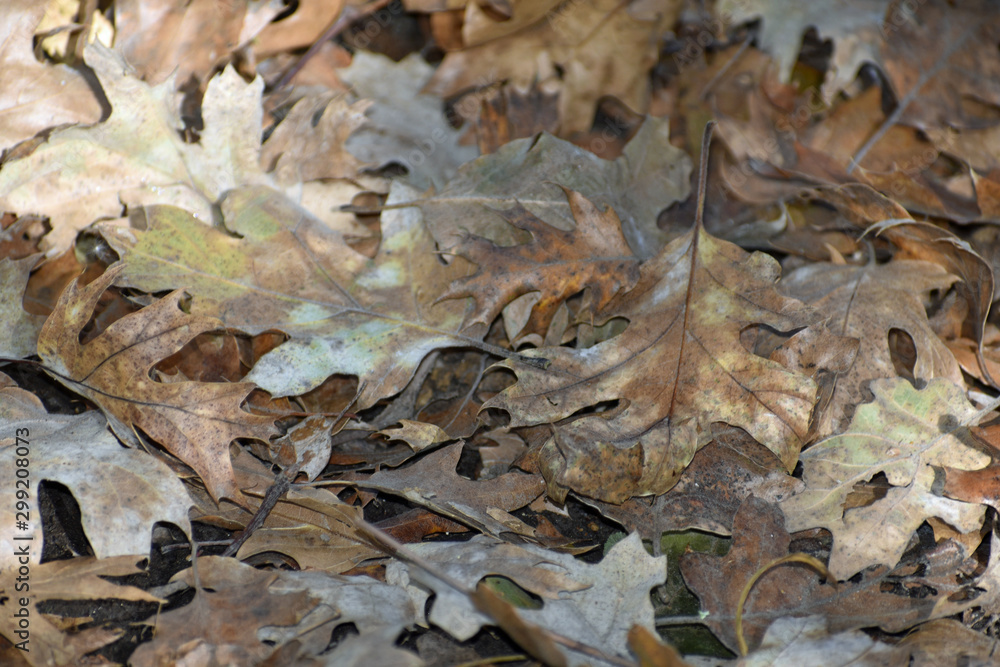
(706, 141)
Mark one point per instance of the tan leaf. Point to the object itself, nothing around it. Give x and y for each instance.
(36, 96)
(195, 421)
(902, 434)
(678, 367)
(20, 328)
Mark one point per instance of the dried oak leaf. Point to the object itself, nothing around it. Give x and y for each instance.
(122, 493)
(877, 597)
(974, 486)
(677, 367)
(432, 482)
(343, 312)
(868, 303)
(601, 47)
(35, 96)
(222, 625)
(556, 264)
(185, 38)
(75, 579)
(854, 26)
(136, 156)
(649, 175)
(595, 605)
(901, 434)
(195, 421)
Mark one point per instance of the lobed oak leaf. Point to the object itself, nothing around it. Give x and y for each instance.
(195, 421)
(869, 303)
(74, 579)
(677, 367)
(343, 312)
(556, 264)
(902, 434)
(21, 328)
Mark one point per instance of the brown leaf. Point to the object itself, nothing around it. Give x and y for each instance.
(980, 486)
(73, 579)
(195, 421)
(484, 504)
(232, 603)
(759, 537)
(557, 264)
(678, 367)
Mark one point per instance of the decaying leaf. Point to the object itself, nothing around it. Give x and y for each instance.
(556, 264)
(678, 367)
(595, 605)
(484, 504)
(901, 434)
(343, 312)
(196, 421)
(41, 642)
(36, 96)
(122, 493)
(232, 603)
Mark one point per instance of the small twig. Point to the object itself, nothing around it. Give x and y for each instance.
(282, 482)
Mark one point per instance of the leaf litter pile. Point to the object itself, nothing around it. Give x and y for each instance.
(408, 333)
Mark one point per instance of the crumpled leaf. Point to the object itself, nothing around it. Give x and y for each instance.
(902, 434)
(195, 421)
(557, 264)
(122, 493)
(596, 605)
(136, 156)
(343, 312)
(678, 367)
(421, 140)
(20, 328)
(867, 302)
(36, 96)
(74, 579)
(484, 504)
(650, 175)
(222, 625)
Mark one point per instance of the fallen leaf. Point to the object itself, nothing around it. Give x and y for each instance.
(233, 602)
(36, 96)
(878, 597)
(556, 264)
(792, 642)
(867, 303)
(685, 316)
(595, 605)
(343, 313)
(136, 156)
(432, 482)
(122, 493)
(21, 328)
(650, 175)
(901, 434)
(195, 421)
(421, 140)
(44, 643)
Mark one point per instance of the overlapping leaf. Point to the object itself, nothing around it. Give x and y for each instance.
(678, 367)
(902, 434)
(196, 421)
(343, 312)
